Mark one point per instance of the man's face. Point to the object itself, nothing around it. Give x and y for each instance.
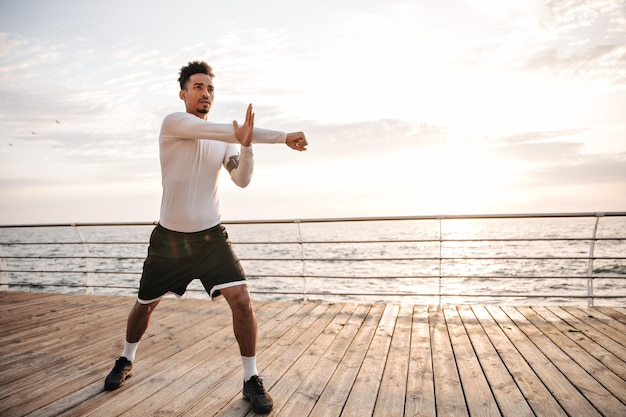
(198, 95)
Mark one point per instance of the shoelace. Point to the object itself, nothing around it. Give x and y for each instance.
(256, 384)
(119, 365)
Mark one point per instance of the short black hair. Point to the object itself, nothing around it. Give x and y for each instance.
(195, 67)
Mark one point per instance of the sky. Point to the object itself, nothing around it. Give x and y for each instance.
(410, 108)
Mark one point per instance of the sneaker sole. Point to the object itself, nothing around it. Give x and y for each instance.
(258, 410)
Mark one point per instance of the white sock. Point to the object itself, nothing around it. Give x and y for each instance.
(129, 350)
(249, 367)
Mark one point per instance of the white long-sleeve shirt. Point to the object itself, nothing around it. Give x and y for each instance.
(192, 151)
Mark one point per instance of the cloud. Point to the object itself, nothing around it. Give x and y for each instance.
(590, 169)
(548, 159)
(599, 63)
(526, 137)
(575, 39)
(538, 153)
(378, 136)
(537, 147)
(584, 19)
(23, 56)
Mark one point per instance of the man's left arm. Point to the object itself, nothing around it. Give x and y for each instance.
(240, 166)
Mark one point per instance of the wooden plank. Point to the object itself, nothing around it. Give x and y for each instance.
(420, 391)
(191, 355)
(52, 372)
(478, 395)
(609, 327)
(300, 369)
(538, 396)
(167, 334)
(39, 368)
(510, 400)
(311, 392)
(575, 365)
(63, 335)
(392, 394)
(334, 341)
(590, 345)
(562, 390)
(160, 352)
(221, 387)
(613, 312)
(334, 397)
(608, 321)
(40, 319)
(579, 320)
(563, 336)
(229, 398)
(279, 360)
(206, 378)
(449, 395)
(23, 302)
(286, 388)
(362, 398)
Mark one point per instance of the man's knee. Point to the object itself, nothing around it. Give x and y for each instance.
(238, 298)
(141, 310)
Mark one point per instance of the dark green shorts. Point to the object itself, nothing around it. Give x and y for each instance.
(176, 258)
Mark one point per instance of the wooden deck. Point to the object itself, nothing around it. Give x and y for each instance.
(318, 359)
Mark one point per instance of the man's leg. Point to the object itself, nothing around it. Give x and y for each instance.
(136, 325)
(138, 320)
(244, 319)
(245, 328)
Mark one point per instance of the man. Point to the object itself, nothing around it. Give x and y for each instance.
(189, 241)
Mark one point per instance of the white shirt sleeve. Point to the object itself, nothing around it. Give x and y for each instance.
(183, 125)
(240, 166)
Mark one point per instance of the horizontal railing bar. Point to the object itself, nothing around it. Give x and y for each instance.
(351, 277)
(70, 285)
(123, 258)
(349, 219)
(328, 242)
(460, 295)
(87, 224)
(443, 258)
(421, 258)
(378, 294)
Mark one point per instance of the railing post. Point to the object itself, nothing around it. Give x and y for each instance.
(440, 218)
(592, 246)
(304, 278)
(89, 269)
(4, 276)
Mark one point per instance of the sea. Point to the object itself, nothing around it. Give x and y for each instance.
(519, 261)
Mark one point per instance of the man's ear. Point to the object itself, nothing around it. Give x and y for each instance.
(182, 95)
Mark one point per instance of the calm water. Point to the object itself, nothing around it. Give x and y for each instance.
(342, 259)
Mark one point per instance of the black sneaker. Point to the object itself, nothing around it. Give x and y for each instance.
(254, 392)
(122, 370)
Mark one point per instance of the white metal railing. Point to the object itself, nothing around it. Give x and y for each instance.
(27, 259)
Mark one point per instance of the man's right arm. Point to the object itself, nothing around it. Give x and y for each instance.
(184, 125)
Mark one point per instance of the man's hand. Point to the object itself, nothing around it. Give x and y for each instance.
(297, 141)
(244, 133)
